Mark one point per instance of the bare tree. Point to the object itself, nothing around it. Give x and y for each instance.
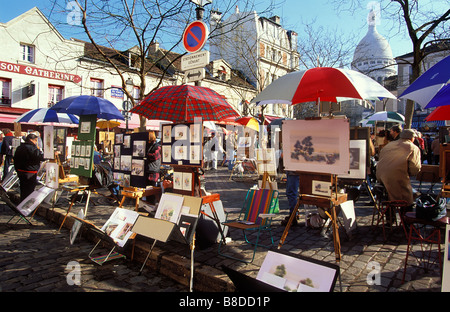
(425, 24)
(321, 47)
(123, 33)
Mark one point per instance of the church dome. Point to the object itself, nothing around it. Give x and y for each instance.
(373, 53)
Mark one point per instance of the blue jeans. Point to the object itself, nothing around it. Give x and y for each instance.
(292, 184)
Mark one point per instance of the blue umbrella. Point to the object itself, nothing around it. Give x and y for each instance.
(425, 88)
(441, 98)
(46, 115)
(88, 105)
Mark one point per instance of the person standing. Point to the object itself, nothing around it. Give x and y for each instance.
(27, 160)
(399, 160)
(435, 149)
(6, 151)
(153, 159)
(215, 149)
(292, 192)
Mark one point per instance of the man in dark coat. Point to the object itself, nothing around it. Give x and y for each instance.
(27, 160)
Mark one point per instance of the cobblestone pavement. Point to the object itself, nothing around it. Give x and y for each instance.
(38, 258)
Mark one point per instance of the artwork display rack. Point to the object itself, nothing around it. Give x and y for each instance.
(328, 203)
(161, 230)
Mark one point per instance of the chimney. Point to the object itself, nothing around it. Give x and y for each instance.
(154, 47)
(276, 19)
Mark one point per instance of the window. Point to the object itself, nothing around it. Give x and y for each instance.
(136, 93)
(27, 53)
(55, 94)
(5, 85)
(97, 87)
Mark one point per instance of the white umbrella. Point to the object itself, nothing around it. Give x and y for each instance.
(322, 84)
(46, 115)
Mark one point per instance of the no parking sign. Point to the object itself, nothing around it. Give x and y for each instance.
(195, 36)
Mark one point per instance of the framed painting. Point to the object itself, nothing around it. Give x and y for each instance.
(295, 273)
(358, 163)
(320, 146)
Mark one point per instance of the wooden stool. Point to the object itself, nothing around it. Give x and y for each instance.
(388, 209)
(133, 193)
(425, 232)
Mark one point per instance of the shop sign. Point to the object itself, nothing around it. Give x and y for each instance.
(38, 72)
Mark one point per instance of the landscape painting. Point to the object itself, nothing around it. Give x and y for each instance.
(320, 146)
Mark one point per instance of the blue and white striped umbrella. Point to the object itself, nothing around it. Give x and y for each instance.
(46, 115)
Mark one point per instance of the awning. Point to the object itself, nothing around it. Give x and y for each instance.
(437, 123)
(8, 118)
(134, 122)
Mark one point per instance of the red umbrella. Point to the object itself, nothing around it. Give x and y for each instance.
(440, 113)
(249, 122)
(183, 103)
(321, 84)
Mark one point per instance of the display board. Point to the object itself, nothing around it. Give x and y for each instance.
(130, 159)
(181, 144)
(82, 152)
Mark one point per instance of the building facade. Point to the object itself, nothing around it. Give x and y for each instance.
(259, 47)
(39, 67)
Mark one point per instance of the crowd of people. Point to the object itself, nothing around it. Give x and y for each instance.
(428, 146)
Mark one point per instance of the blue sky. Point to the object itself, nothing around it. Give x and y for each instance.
(292, 12)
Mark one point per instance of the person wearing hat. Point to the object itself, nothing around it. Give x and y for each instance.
(399, 160)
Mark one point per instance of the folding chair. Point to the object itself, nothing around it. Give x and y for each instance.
(427, 233)
(256, 216)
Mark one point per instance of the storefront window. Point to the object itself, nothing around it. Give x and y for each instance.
(97, 87)
(5, 85)
(27, 53)
(55, 94)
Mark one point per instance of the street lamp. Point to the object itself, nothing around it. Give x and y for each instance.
(128, 104)
(200, 10)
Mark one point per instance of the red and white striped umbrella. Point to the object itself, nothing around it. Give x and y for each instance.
(322, 84)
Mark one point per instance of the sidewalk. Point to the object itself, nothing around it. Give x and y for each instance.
(365, 248)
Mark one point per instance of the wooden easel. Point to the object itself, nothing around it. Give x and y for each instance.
(135, 193)
(329, 203)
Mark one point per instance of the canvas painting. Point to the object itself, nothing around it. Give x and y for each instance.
(320, 146)
(177, 180)
(195, 154)
(119, 225)
(196, 133)
(29, 204)
(187, 181)
(137, 167)
(180, 152)
(49, 153)
(166, 153)
(52, 175)
(119, 138)
(169, 207)
(358, 160)
(85, 127)
(166, 134)
(125, 162)
(139, 148)
(296, 275)
(181, 132)
(126, 141)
